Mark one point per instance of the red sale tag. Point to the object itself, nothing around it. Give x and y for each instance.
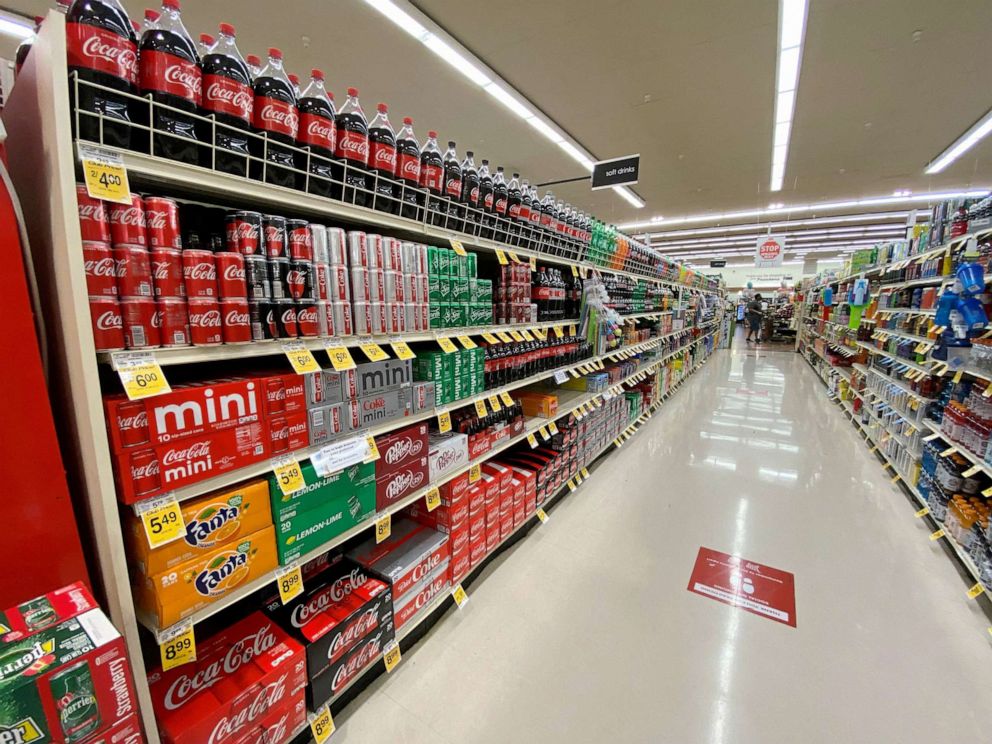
(761, 590)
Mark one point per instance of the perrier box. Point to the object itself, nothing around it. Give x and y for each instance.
(66, 683)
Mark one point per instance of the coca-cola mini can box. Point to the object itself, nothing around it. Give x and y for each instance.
(240, 676)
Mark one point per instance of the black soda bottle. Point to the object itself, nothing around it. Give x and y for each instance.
(514, 200)
(382, 160)
(432, 178)
(470, 193)
(549, 219)
(500, 195)
(317, 138)
(228, 98)
(353, 148)
(486, 199)
(102, 49)
(453, 187)
(524, 223)
(408, 168)
(169, 71)
(275, 117)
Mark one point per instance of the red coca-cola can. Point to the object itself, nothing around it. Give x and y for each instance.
(167, 273)
(231, 275)
(306, 318)
(299, 241)
(93, 223)
(285, 317)
(279, 434)
(244, 232)
(174, 321)
(108, 325)
(141, 330)
(144, 473)
(101, 271)
(275, 395)
(134, 271)
(162, 222)
(235, 320)
(127, 223)
(274, 230)
(131, 423)
(204, 322)
(199, 274)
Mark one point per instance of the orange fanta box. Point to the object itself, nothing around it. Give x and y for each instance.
(211, 521)
(174, 594)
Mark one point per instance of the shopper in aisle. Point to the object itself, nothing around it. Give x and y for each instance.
(754, 319)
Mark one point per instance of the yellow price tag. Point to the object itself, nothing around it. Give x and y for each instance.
(402, 350)
(480, 408)
(975, 590)
(559, 331)
(583, 272)
(922, 512)
(447, 345)
(444, 422)
(177, 645)
(467, 342)
(514, 257)
(574, 373)
(571, 485)
(578, 413)
(373, 449)
(162, 519)
(987, 491)
(543, 431)
(490, 338)
(288, 474)
(322, 725)
(957, 376)
(501, 257)
(575, 271)
(300, 357)
(895, 478)
(515, 335)
(553, 428)
(383, 528)
(532, 441)
(971, 471)
(140, 374)
(936, 535)
(505, 397)
(504, 337)
(391, 656)
(105, 174)
(618, 443)
(987, 392)
(585, 472)
(457, 247)
(494, 403)
(572, 330)
(290, 583)
(459, 595)
(474, 473)
(373, 351)
(542, 515)
(340, 358)
(949, 451)
(533, 263)
(540, 333)
(526, 334)
(433, 498)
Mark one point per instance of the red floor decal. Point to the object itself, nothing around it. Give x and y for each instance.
(738, 582)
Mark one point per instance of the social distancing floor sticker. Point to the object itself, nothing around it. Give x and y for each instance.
(741, 583)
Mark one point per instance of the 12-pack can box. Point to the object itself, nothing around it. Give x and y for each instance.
(400, 482)
(410, 554)
(39, 613)
(378, 377)
(378, 408)
(240, 675)
(344, 488)
(69, 682)
(338, 675)
(398, 447)
(422, 593)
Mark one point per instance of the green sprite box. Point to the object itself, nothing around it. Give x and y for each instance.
(484, 291)
(443, 261)
(433, 260)
(472, 264)
(445, 288)
(480, 314)
(66, 683)
(459, 289)
(460, 266)
(433, 288)
(450, 313)
(434, 315)
(329, 491)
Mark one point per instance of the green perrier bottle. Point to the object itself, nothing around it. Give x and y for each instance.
(72, 691)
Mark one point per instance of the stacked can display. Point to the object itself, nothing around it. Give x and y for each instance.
(389, 283)
(458, 298)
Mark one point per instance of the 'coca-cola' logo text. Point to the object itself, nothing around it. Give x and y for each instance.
(223, 95)
(109, 320)
(341, 588)
(356, 662)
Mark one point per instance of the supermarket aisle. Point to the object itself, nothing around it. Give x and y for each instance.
(586, 632)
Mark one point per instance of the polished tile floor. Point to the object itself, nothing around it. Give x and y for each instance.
(585, 631)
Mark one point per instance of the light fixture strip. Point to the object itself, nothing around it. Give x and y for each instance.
(791, 33)
(749, 226)
(962, 144)
(895, 230)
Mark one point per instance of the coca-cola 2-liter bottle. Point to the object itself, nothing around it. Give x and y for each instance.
(382, 160)
(514, 200)
(169, 72)
(317, 138)
(408, 169)
(102, 49)
(487, 201)
(353, 148)
(470, 193)
(275, 117)
(228, 97)
(453, 187)
(432, 178)
(500, 195)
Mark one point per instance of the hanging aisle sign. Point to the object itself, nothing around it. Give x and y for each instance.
(616, 172)
(769, 251)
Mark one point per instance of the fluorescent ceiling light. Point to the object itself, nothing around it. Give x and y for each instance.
(629, 196)
(544, 129)
(576, 155)
(10, 27)
(788, 69)
(747, 227)
(456, 60)
(497, 92)
(960, 146)
(791, 32)
(401, 18)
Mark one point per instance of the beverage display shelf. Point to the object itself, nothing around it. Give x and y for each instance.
(151, 171)
(898, 437)
(906, 415)
(842, 348)
(970, 369)
(875, 350)
(262, 467)
(860, 368)
(901, 334)
(570, 400)
(842, 326)
(905, 310)
(901, 385)
(920, 282)
(962, 450)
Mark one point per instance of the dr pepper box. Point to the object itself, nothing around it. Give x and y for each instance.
(201, 430)
(241, 679)
(340, 606)
(69, 682)
(45, 611)
(402, 467)
(406, 557)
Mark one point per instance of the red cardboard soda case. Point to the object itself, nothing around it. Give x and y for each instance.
(142, 473)
(477, 548)
(240, 674)
(284, 393)
(337, 610)
(492, 536)
(491, 484)
(66, 682)
(529, 504)
(399, 482)
(458, 537)
(280, 723)
(423, 593)
(460, 564)
(506, 526)
(42, 612)
(479, 445)
(399, 448)
(336, 677)
(492, 513)
(477, 525)
(501, 472)
(125, 731)
(476, 498)
(454, 490)
(408, 555)
(518, 509)
(443, 518)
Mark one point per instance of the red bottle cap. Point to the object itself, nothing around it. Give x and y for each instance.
(151, 15)
(317, 74)
(352, 92)
(170, 4)
(432, 134)
(407, 120)
(382, 108)
(275, 53)
(227, 29)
